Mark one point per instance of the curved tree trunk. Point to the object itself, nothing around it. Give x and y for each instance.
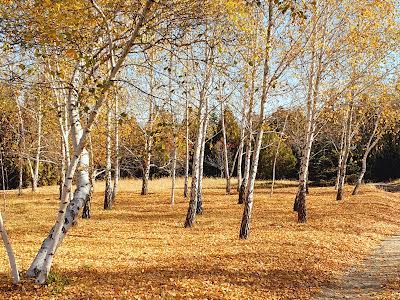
(69, 209)
(370, 145)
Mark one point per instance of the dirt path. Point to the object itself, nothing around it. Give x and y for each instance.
(368, 281)
(388, 187)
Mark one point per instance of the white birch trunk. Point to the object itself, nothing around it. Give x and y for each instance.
(108, 187)
(248, 140)
(68, 211)
(185, 187)
(191, 214)
(226, 162)
(248, 202)
(241, 145)
(341, 148)
(368, 148)
(35, 177)
(199, 209)
(148, 142)
(116, 150)
(346, 151)
(10, 252)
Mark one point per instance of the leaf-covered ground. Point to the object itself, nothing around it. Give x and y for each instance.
(140, 250)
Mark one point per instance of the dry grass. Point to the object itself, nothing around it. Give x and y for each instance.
(140, 250)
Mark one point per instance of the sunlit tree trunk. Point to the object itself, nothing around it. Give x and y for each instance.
(346, 152)
(248, 201)
(108, 185)
(248, 138)
(341, 147)
(68, 210)
(116, 150)
(148, 142)
(86, 210)
(173, 171)
(197, 156)
(312, 98)
(199, 209)
(241, 144)
(226, 162)
(20, 162)
(368, 148)
(191, 214)
(10, 252)
(185, 187)
(35, 177)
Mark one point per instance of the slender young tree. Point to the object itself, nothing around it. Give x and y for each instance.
(108, 187)
(226, 161)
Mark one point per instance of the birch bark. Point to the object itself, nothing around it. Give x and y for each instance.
(10, 252)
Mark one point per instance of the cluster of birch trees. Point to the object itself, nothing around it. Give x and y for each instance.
(97, 69)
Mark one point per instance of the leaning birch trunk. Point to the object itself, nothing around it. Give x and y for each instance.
(199, 209)
(362, 173)
(10, 252)
(35, 178)
(108, 187)
(226, 162)
(62, 169)
(68, 210)
(370, 145)
(346, 151)
(248, 201)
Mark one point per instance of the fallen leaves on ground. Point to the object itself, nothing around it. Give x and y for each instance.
(140, 250)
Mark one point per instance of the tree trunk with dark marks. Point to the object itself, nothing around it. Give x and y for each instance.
(199, 209)
(248, 201)
(346, 152)
(108, 187)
